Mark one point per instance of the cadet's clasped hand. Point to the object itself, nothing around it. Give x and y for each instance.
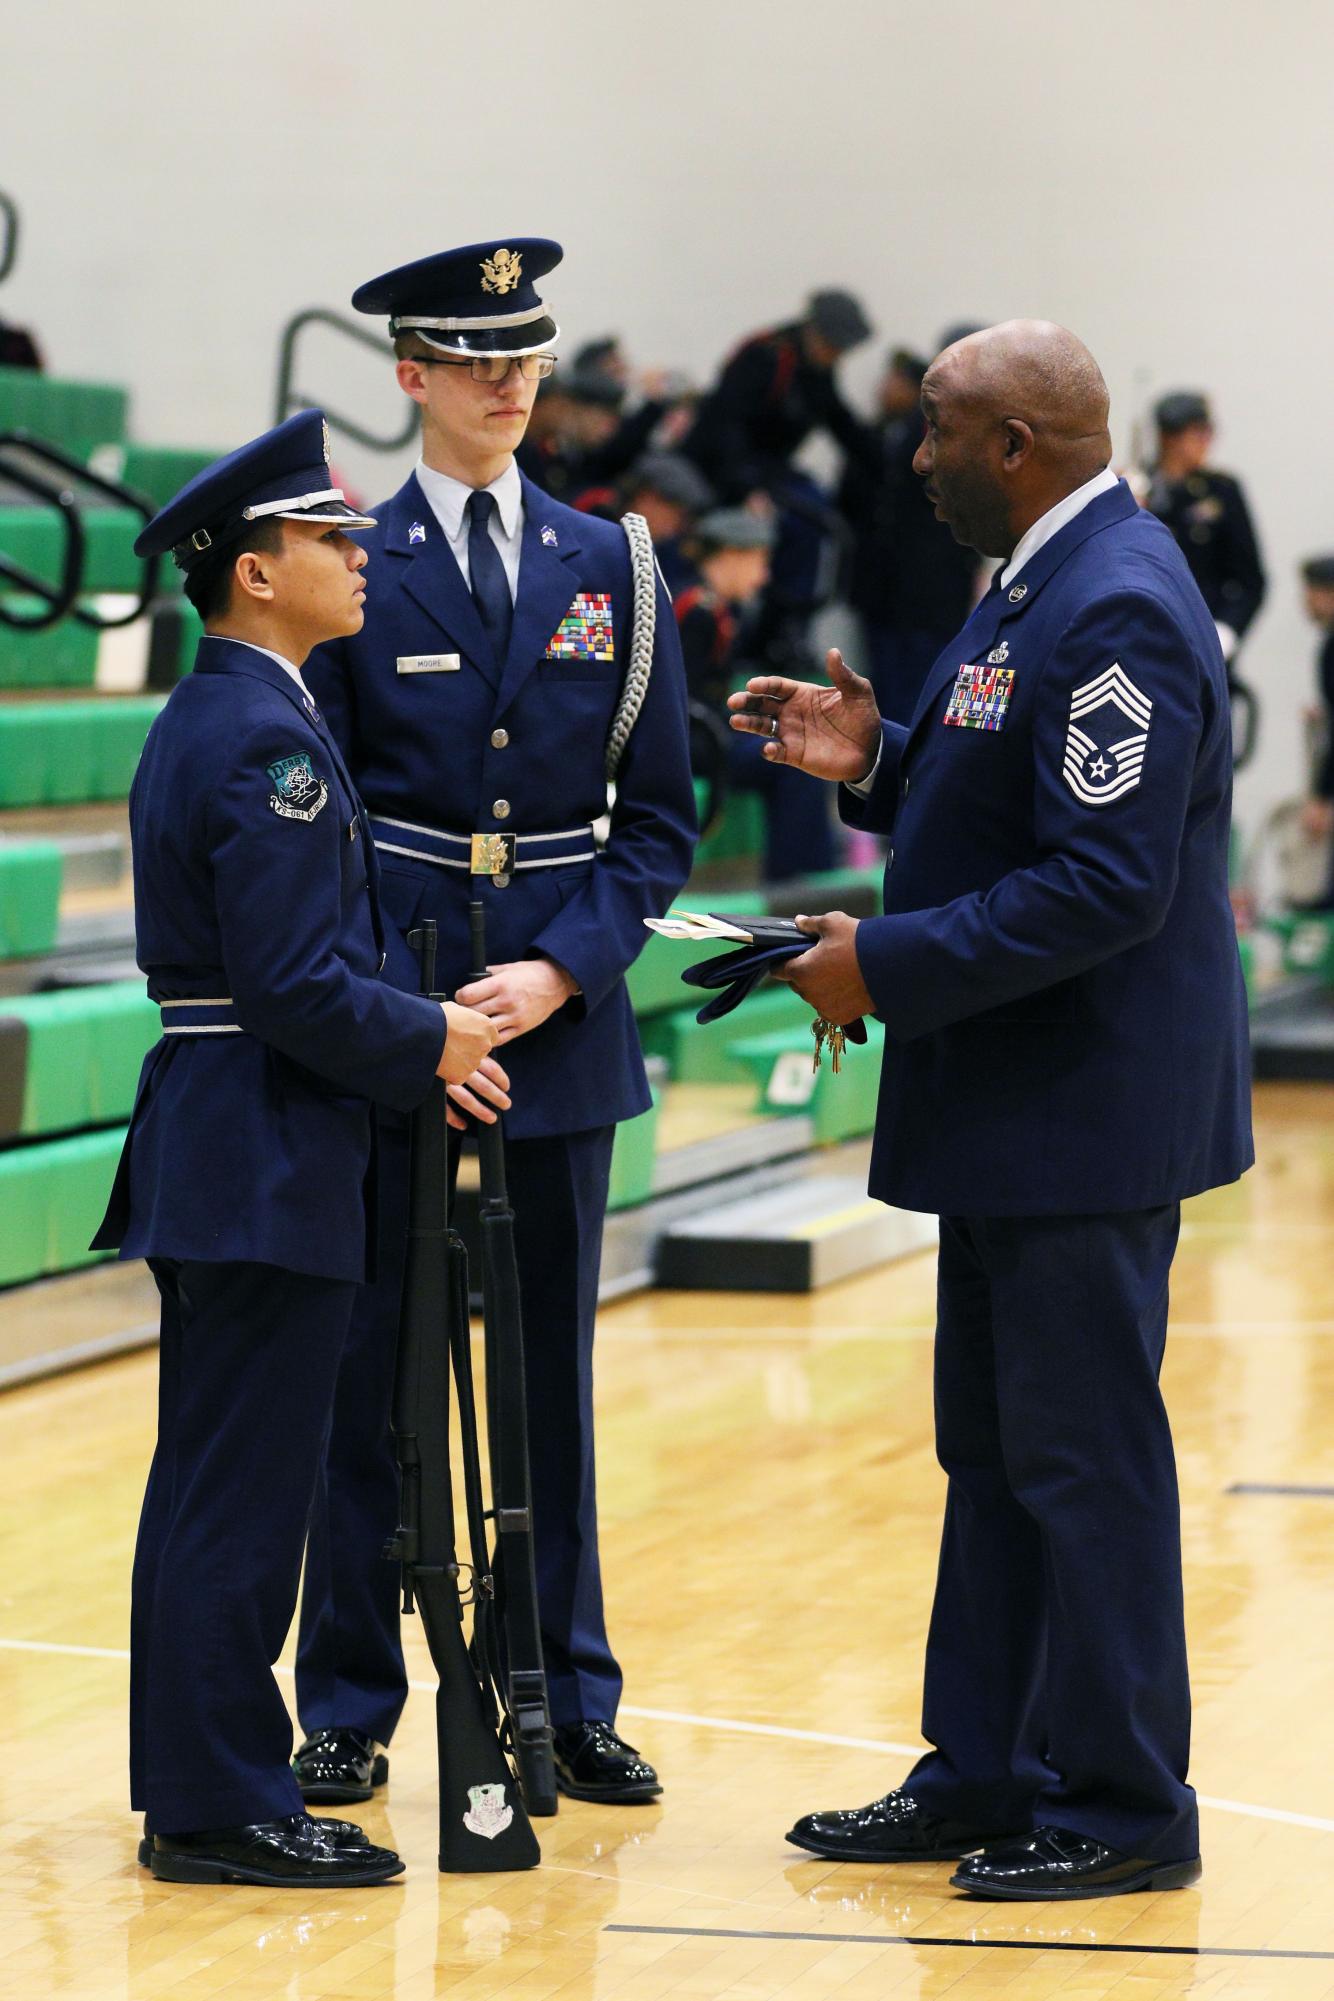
(474, 1081)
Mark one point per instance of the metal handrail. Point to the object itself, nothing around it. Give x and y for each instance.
(288, 399)
(48, 454)
(9, 241)
(58, 599)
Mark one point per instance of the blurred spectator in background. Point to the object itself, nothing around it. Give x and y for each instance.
(1318, 813)
(1207, 513)
(671, 494)
(716, 613)
(910, 583)
(582, 441)
(777, 389)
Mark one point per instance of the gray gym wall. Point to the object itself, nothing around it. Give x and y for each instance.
(1155, 174)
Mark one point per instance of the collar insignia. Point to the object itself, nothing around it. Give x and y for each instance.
(549, 538)
(1018, 593)
(417, 532)
(502, 272)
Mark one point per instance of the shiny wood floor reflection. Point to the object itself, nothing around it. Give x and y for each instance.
(770, 1508)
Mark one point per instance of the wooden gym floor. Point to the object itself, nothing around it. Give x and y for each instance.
(770, 1508)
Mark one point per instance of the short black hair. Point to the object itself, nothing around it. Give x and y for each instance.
(209, 584)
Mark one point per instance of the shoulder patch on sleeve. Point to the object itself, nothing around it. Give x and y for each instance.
(297, 793)
(1102, 762)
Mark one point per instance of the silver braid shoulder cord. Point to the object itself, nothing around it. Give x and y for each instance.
(640, 664)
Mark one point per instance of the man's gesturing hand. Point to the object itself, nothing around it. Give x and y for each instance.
(468, 1037)
(829, 732)
(519, 995)
(487, 1087)
(828, 977)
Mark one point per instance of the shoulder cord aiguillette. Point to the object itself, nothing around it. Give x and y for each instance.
(640, 665)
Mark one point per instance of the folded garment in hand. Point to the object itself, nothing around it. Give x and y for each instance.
(732, 975)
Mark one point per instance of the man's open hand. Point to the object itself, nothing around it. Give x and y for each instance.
(830, 732)
(828, 977)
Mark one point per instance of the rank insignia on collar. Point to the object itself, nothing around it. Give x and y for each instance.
(549, 537)
(999, 654)
(502, 272)
(417, 532)
(980, 697)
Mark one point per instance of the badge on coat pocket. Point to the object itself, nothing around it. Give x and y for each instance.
(428, 663)
(585, 632)
(980, 697)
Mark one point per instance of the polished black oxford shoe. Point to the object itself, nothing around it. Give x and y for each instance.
(296, 1852)
(1052, 1863)
(338, 1766)
(593, 1763)
(343, 1834)
(897, 1828)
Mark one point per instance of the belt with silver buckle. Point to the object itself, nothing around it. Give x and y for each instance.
(496, 855)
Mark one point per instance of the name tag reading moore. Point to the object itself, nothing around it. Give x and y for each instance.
(428, 663)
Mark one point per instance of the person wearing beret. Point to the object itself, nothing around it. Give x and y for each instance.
(473, 708)
(1065, 1060)
(243, 1176)
(1207, 514)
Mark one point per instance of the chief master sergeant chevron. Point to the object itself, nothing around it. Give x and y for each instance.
(1065, 1059)
(477, 701)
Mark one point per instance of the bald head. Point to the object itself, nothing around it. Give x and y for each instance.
(1019, 417)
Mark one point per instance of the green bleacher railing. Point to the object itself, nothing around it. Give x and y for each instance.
(53, 600)
(287, 398)
(17, 450)
(9, 235)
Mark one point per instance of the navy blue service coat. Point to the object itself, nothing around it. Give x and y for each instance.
(438, 734)
(1057, 954)
(255, 882)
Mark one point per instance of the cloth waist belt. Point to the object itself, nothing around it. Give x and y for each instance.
(199, 1017)
(482, 854)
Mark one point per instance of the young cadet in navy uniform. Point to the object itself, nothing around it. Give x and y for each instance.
(243, 1175)
(1207, 513)
(476, 702)
(1065, 1060)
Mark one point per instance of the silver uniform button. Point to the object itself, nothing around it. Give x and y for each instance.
(499, 739)
(905, 788)
(500, 808)
(889, 858)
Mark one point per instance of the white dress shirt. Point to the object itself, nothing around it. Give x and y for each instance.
(1025, 548)
(269, 653)
(449, 499)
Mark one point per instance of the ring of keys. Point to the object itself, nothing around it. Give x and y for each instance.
(827, 1032)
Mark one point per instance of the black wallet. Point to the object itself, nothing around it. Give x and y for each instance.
(732, 975)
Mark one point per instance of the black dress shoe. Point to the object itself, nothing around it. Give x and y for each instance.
(339, 1765)
(897, 1828)
(295, 1852)
(343, 1834)
(593, 1763)
(1051, 1863)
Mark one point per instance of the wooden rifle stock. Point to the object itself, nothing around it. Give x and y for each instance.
(483, 1822)
(509, 1630)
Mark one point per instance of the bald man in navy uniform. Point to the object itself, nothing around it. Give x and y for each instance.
(243, 1176)
(1065, 1060)
(474, 709)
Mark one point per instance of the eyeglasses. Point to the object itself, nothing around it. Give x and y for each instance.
(495, 367)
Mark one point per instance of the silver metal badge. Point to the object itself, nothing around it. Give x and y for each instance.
(489, 1813)
(417, 532)
(427, 663)
(1018, 593)
(999, 654)
(549, 537)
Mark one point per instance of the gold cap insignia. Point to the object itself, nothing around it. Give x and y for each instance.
(502, 272)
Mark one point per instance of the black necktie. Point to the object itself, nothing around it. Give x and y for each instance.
(489, 584)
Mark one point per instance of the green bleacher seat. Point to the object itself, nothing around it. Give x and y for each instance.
(52, 1197)
(632, 1158)
(33, 538)
(30, 874)
(160, 471)
(83, 1054)
(69, 753)
(738, 835)
(58, 656)
(781, 1062)
(700, 1052)
(77, 416)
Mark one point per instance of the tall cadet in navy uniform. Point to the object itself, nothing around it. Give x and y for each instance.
(1065, 1059)
(476, 703)
(243, 1175)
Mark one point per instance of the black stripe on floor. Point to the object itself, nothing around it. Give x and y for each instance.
(977, 1944)
(1262, 1487)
